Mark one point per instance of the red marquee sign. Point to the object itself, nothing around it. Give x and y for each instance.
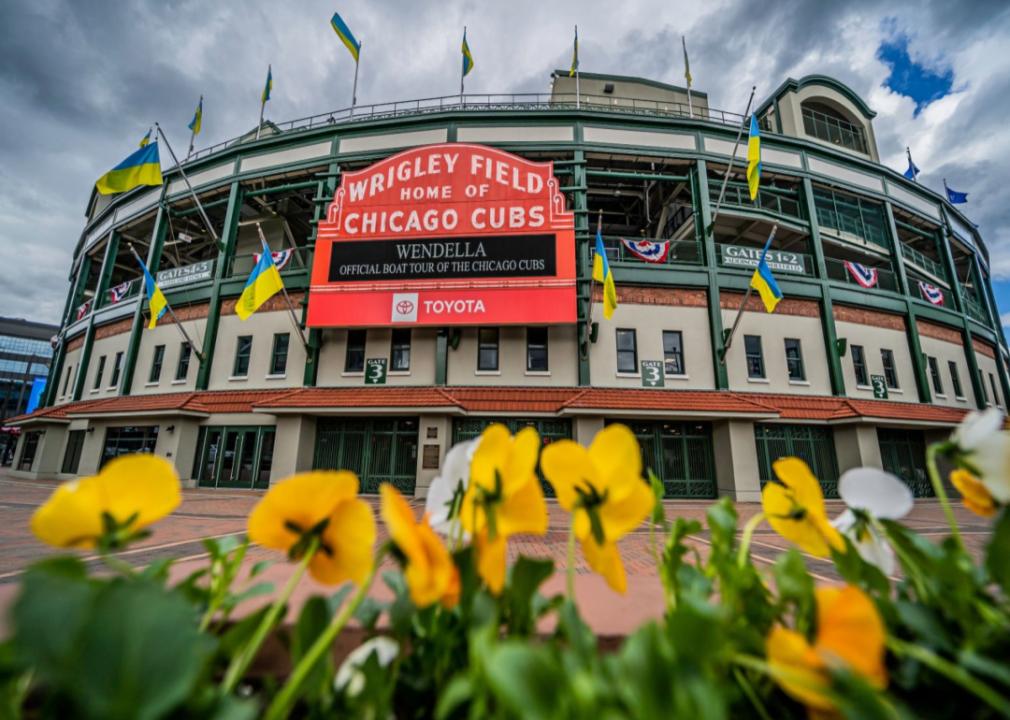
(449, 234)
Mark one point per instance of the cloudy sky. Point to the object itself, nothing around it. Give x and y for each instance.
(81, 83)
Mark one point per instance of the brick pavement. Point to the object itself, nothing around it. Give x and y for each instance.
(206, 513)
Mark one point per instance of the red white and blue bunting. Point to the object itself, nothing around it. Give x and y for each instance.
(120, 291)
(931, 292)
(83, 310)
(281, 257)
(865, 276)
(653, 251)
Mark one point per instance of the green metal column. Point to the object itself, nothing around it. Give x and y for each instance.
(442, 356)
(153, 259)
(583, 271)
(912, 329)
(108, 263)
(229, 233)
(703, 225)
(56, 365)
(325, 189)
(827, 307)
(990, 302)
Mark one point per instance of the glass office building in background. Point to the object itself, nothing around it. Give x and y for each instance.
(25, 353)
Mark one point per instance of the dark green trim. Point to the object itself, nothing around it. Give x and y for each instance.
(153, 259)
(911, 327)
(325, 188)
(441, 356)
(108, 262)
(837, 378)
(228, 237)
(703, 226)
(583, 282)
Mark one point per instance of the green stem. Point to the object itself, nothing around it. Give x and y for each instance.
(120, 566)
(913, 570)
(282, 702)
(748, 690)
(748, 533)
(570, 565)
(244, 657)
(941, 494)
(954, 673)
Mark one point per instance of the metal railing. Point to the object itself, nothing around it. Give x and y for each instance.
(975, 310)
(132, 291)
(681, 252)
(770, 199)
(846, 223)
(886, 279)
(833, 130)
(242, 265)
(924, 262)
(491, 102)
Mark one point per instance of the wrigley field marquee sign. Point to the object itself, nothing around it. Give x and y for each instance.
(451, 234)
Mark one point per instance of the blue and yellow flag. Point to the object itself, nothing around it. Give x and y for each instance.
(157, 304)
(268, 87)
(146, 139)
(346, 36)
(467, 56)
(197, 122)
(764, 282)
(602, 273)
(575, 55)
(754, 159)
(143, 167)
(264, 282)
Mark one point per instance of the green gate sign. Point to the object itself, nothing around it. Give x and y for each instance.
(652, 373)
(879, 383)
(375, 371)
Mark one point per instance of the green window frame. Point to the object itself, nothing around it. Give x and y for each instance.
(794, 360)
(626, 340)
(235, 456)
(399, 350)
(354, 354)
(813, 444)
(955, 379)
(117, 368)
(754, 357)
(243, 351)
(157, 360)
(537, 357)
(934, 374)
(673, 353)
(995, 390)
(279, 354)
(488, 356)
(859, 365)
(29, 446)
(72, 455)
(182, 367)
(890, 373)
(99, 371)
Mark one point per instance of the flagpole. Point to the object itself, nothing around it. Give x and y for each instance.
(743, 303)
(192, 133)
(462, 71)
(199, 206)
(287, 298)
(263, 103)
(185, 335)
(690, 106)
(732, 158)
(578, 98)
(911, 165)
(354, 88)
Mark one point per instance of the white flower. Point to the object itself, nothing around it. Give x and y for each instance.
(444, 489)
(877, 494)
(985, 448)
(349, 676)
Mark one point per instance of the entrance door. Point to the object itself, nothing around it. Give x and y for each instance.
(903, 453)
(680, 454)
(377, 450)
(235, 457)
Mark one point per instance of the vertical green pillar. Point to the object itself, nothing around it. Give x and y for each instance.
(325, 190)
(989, 301)
(108, 262)
(703, 225)
(153, 259)
(56, 365)
(914, 345)
(583, 272)
(228, 238)
(827, 307)
(442, 356)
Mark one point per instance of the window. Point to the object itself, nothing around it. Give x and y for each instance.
(99, 372)
(794, 360)
(66, 379)
(859, 365)
(890, 376)
(279, 356)
(29, 446)
(182, 369)
(243, 350)
(627, 351)
(72, 456)
(813, 444)
(955, 379)
(981, 383)
(536, 349)
(354, 358)
(117, 367)
(673, 352)
(487, 349)
(995, 392)
(130, 439)
(934, 373)
(755, 357)
(156, 362)
(399, 353)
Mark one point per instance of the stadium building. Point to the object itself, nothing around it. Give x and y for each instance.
(438, 255)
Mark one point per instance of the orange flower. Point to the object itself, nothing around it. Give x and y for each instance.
(430, 572)
(850, 634)
(974, 493)
(794, 507)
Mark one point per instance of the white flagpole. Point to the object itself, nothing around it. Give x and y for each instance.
(199, 206)
(462, 71)
(690, 106)
(746, 297)
(354, 88)
(263, 104)
(578, 99)
(732, 157)
(287, 298)
(192, 134)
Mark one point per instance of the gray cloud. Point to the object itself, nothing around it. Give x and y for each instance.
(81, 83)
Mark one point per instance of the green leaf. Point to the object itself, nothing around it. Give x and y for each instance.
(312, 621)
(997, 559)
(368, 613)
(525, 578)
(459, 690)
(658, 491)
(259, 567)
(526, 679)
(795, 587)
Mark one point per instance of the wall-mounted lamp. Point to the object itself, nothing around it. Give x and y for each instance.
(170, 429)
(841, 346)
(91, 429)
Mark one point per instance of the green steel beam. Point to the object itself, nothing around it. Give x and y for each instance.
(228, 237)
(442, 356)
(56, 365)
(108, 263)
(911, 325)
(325, 189)
(584, 283)
(826, 306)
(703, 225)
(628, 175)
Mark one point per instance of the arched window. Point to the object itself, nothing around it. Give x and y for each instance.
(826, 121)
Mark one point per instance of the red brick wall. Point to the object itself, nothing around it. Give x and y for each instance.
(636, 295)
(939, 332)
(185, 313)
(111, 329)
(75, 343)
(787, 306)
(984, 348)
(272, 305)
(862, 316)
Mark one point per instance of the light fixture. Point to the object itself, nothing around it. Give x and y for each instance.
(170, 429)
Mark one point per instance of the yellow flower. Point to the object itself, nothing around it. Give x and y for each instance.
(130, 493)
(794, 507)
(430, 572)
(973, 493)
(603, 489)
(850, 634)
(321, 504)
(503, 498)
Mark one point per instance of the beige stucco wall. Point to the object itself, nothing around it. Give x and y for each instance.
(649, 322)
(262, 326)
(857, 446)
(107, 348)
(70, 364)
(167, 334)
(873, 338)
(945, 352)
(792, 116)
(378, 344)
(736, 460)
(987, 366)
(773, 330)
(562, 359)
(294, 445)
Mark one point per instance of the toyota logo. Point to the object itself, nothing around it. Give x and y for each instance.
(404, 307)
